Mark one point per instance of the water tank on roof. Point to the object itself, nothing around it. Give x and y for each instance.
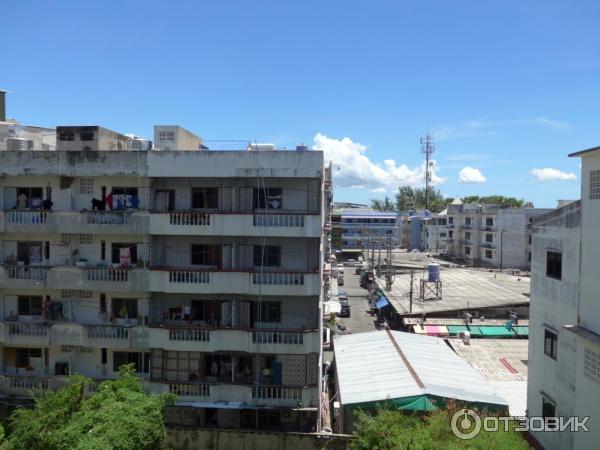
(433, 271)
(301, 148)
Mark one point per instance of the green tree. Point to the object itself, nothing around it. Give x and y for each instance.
(437, 201)
(383, 205)
(511, 202)
(389, 429)
(118, 416)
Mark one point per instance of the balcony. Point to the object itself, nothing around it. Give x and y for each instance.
(59, 277)
(274, 224)
(85, 222)
(209, 339)
(189, 281)
(13, 333)
(277, 396)
(488, 244)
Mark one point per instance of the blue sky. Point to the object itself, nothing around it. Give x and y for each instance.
(504, 87)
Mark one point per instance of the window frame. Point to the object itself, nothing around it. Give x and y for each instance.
(548, 408)
(209, 254)
(551, 344)
(115, 248)
(137, 358)
(554, 264)
(262, 198)
(130, 304)
(208, 198)
(29, 300)
(272, 256)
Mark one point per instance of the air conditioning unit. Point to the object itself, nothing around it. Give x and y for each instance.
(19, 144)
(464, 336)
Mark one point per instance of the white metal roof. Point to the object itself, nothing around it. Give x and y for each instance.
(370, 369)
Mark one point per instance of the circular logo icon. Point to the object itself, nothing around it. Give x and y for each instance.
(465, 424)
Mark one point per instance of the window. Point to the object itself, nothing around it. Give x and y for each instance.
(116, 253)
(125, 308)
(86, 239)
(550, 343)
(267, 256)
(450, 220)
(442, 234)
(554, 265)
(86, 134)
(529, 239)
(66, 136)
(104, 356)
(269, 312)
(29, 305)
(141, 361)
(467, 250)
(488, 254)
(133, 191)
(450, 234)
(548, 408)
(467, 236)
(24, 354)
(591, 365)
(102, 303)
(29, 197)
(489, 221)
(208, 311)
(529, 257)
(86, 185)
(205, 255)
(268, 198)
(205, 198)
(489, 237)
(467, 221)
(595, 185)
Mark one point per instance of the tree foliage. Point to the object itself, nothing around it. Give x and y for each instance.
(389, 429)
(437, 201)
(511, 202)
(383, 205)
(118, 416)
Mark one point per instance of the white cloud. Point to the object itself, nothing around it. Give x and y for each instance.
(471, 175)
(549, 174)
(353, 168)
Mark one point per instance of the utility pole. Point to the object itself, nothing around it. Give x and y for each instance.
(501, 233)
(427, 148)
(412, 274)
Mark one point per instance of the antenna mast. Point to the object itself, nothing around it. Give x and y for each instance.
(428, 149)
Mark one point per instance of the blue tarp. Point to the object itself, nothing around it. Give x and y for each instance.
(382, 302)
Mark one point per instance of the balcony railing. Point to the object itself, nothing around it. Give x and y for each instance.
(189, 218)
(189, 390)
(107, 217)
(276, 392)
(26, 217)
(189, 334)
(278, 337)
(278, 220)
(107, 332)
(108, 274)
(27, 329)
(188, 276)
(27, 272)
(278, 278)
(29, 383)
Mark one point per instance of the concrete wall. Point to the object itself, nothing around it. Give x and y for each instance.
(553, 304)
(229, 439)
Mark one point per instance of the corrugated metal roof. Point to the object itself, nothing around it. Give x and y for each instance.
(370, 369)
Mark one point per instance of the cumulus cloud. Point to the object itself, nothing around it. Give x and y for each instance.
(549, 174)
(471, 175)
(353, 168)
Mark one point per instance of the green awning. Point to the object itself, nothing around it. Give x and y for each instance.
(475, 331)
(454, 329)
(491, 331)
(522, 331)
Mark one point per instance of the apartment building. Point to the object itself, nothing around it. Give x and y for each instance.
(564, 321)
(202, 268)
(360, 228)
(483, 235)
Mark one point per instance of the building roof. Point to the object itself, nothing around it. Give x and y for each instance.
(369, 214)
(583, 152)
(462, 289)
(393, 365)
(503, 364)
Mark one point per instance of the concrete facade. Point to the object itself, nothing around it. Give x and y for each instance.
(483, 235)
(194, 301)
(564, 336)
(361, 228)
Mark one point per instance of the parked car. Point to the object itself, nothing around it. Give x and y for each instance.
(345, 310)
(340, 281)
(340, 268)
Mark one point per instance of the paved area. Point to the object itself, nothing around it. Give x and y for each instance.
(360, 319)
(461, 289)
(503, 364)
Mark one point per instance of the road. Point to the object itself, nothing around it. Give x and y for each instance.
(360, 320)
